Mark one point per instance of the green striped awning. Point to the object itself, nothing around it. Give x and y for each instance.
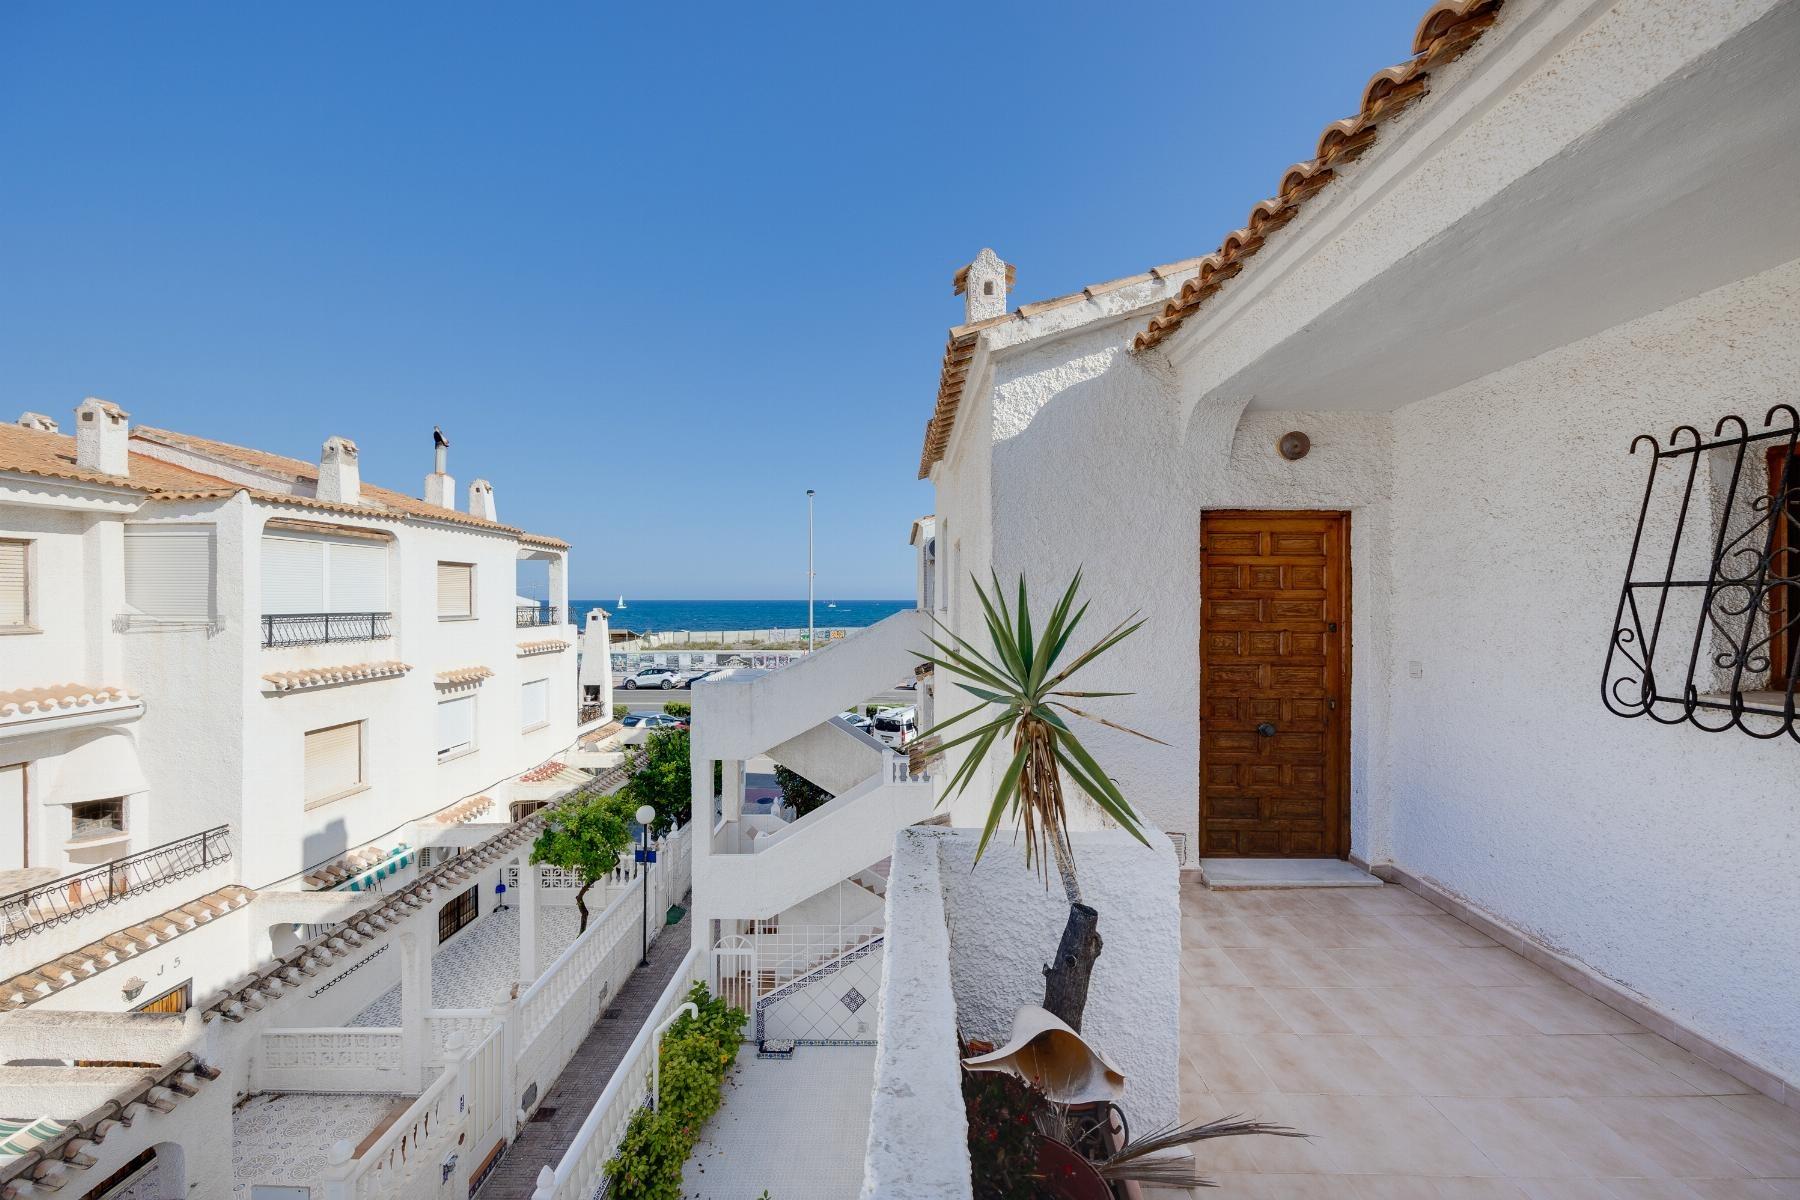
(21, 1137)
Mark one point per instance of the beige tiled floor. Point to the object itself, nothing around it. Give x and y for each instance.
(1429, 1063)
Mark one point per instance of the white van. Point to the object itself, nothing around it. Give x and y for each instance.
(896, 727)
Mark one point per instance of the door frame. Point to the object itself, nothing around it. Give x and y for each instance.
(1341, 728)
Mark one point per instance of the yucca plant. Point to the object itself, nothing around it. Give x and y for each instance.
(1023, 674)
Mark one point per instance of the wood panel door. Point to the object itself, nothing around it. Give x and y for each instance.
(1274, 684)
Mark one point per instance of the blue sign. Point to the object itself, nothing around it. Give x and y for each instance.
(646, 856)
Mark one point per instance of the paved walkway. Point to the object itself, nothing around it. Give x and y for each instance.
(575, 1090)
(1429, 1063)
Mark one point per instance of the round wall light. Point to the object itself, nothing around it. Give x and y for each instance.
(1294, 446)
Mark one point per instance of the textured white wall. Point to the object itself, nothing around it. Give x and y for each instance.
(1663, 857)
(1005, 926)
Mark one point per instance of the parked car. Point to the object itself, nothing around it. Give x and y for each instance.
(655, 677)
(857, 721)
(896, 726)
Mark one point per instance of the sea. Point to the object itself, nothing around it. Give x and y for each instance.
(654, 616)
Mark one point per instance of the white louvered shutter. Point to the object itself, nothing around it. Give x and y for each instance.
(456, 724)
(169, 571)
(358, 577)
(14, 609)
(534, 703)
(333, 760)
(456, 589)
(293, 576)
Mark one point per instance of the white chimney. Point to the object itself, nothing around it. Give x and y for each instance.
(37, 421)
(481, 500)
(982, 285)
(340, 479)
(102, 437)
(440, 488)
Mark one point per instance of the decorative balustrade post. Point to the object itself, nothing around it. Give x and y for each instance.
(546, 1185)
(415, 1001)
(339, 1165)
(530, 887)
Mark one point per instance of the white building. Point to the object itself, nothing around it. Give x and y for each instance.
(307, 659)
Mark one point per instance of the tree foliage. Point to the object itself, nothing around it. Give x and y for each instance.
(800, 793)
(585, 836)
(663, 779)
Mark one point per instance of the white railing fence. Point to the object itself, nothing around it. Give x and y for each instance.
(582, 1171)
(333, 1059)
(783, 954)
(407, 1161)
(558, 1010)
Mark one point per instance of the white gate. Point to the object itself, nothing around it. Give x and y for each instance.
(734, 971)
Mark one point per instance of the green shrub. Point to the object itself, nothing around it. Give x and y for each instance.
(620, 712)
(677, 709)
(696, 1054)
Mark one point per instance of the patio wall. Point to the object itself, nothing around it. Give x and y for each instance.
(1660, 856)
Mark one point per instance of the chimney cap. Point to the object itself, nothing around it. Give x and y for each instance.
(41, 422)
(93, 403)
(960, 283)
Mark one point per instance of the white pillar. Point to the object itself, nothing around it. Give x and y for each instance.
(415, 1002)
(733, 789)
(528, 920)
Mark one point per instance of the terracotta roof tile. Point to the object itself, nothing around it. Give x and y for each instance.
(59, 697)
(463, 811)
(549, 646)
(1446, 31)
(311, 677)
(461, 675)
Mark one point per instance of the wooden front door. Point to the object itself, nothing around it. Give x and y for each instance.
(1274, 684)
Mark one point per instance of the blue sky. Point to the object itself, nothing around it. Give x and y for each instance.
(655, 271)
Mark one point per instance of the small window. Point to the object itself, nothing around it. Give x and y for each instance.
(456, 726)
(177, 999)
(534, 703)
(456, 590)
(15, 590)
(987, 287)
(458, 913)
(169, 572)
(334, 761)
(96, 819)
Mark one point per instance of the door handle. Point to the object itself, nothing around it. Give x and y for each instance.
(1265, 730)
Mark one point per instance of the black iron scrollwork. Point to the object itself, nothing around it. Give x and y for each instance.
(1708, 633)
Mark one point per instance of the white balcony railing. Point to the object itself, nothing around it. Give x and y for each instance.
(582, 1171)
(335, 1059)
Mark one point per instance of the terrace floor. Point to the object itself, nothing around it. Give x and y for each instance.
(477, 969)
(1430, 1063)
(817, 1100)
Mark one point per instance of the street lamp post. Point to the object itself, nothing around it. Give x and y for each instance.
(809, 570)
(646, 817)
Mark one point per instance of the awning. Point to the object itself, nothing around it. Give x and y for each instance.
(100, 768)
(22, 1137)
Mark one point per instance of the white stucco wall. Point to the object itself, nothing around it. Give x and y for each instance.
(1661, 856)
(1005, 926)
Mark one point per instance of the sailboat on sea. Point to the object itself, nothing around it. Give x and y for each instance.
(621, 603)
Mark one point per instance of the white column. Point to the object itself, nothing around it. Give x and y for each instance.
(528, 920)
(415, 1002)
(733, 789)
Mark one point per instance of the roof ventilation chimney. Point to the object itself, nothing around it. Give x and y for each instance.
(102, 437)
(340, 479)
(481, 501)
(37, 421)
(440, 489)
(982, 285)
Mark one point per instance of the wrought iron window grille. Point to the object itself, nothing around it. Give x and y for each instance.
(312, 629)
(1707, 630)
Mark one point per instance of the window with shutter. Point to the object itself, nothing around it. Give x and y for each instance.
(534, 703)
(357, 577)
(15, 597)
(293, 575)
(334, 761)
(456, 726)
(169, 571)
(456, 589)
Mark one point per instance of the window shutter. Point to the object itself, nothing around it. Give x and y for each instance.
(169, 571)
(293, 575)
(333, 760)
(456, 590)
(534, 703)
(456, 724)
(13, 606)
(358, 575)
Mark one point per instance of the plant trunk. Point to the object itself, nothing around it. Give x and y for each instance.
(581, 905)
(1066, 980)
